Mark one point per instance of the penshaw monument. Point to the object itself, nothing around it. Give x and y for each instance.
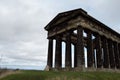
(78, 28)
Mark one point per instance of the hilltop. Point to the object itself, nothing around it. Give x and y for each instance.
(60, 75)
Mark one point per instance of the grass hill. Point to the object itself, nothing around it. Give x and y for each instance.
(52, 75)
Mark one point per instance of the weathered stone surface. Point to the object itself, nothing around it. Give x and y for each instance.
(90, 52)
(58, 54)
(50, 53)
(47, 68)
(68, 59)
(102, 44)
(106, 62)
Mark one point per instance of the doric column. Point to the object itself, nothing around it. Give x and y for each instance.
(98, 51)
(90, 51)
(111, 54)
(116, 54)
(80, 47)
(105, 53)
(119, 54)
(75, 56)
(68, 60)
(50, 53)
(58, 53)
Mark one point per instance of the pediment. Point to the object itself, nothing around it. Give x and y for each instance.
(64, 16)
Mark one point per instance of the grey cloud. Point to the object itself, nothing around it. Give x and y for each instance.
(107, 11)
(22, 32)
(22, 35)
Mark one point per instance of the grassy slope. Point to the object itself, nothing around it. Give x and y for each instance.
(42, 75)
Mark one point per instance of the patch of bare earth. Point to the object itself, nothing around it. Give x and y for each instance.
(8, 72)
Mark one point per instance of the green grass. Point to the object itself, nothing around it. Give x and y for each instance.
(51, 75)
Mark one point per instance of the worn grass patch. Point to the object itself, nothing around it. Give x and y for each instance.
(60, 75)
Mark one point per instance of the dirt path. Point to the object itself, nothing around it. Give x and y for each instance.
(8, 73)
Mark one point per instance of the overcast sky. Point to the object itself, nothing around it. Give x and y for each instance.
(23, 42)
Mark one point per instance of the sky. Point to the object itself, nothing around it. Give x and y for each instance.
(23, 40)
